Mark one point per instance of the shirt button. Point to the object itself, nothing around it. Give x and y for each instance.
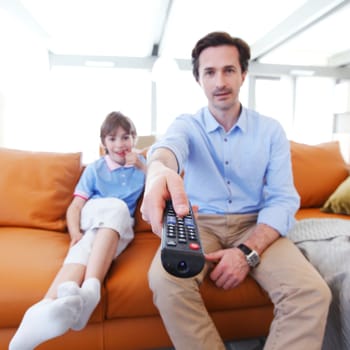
(230, 201)
(226, 162)
(225, 139)
(228, 182)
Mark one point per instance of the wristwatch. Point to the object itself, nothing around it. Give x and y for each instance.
(251, 255)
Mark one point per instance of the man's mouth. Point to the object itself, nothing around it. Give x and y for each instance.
(222, 93)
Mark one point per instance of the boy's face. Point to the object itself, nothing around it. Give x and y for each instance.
(118, 144)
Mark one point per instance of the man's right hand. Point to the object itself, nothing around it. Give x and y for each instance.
(163, 183)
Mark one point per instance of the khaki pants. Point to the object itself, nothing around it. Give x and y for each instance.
(299, 294)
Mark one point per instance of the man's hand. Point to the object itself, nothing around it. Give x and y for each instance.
(231, 267)
(162, 183)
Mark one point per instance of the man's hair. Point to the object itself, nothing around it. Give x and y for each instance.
(115, 120)
(219, 39)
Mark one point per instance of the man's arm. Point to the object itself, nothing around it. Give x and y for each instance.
(232, 267)
(262, 237)
(162, 183)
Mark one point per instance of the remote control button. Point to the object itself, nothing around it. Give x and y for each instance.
(194, 246)
(189, 222)
(171, 220)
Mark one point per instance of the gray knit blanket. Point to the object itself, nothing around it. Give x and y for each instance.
(326, 244)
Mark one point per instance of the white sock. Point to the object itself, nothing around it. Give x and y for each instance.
(90, 292)
(45, 320)
(68, 288)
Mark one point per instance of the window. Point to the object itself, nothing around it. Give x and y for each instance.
(81, 97)
(274, 98)
(313, 122)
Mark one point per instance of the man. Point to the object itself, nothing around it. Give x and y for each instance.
(237, 170)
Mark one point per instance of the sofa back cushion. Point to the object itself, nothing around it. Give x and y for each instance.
(36, 187)
(317, 170)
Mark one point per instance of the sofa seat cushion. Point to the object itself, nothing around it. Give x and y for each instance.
(307, 213)
(129, 295)
(29, 261)
(36, 187)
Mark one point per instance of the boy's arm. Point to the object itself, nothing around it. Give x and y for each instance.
(73, 218)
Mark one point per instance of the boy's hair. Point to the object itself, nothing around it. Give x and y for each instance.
(115, 120)
(219, 39)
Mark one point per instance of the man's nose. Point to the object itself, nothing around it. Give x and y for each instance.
(220, 80)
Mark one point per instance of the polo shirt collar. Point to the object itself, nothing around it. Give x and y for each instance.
(113, 165)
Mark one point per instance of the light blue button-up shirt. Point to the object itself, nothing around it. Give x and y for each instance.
(244, 170)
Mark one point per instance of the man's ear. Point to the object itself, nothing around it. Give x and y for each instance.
(244, 74)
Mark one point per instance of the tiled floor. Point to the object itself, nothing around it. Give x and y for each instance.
(251, 344)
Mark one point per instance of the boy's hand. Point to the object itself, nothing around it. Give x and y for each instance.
(75, 238)
(132, 159)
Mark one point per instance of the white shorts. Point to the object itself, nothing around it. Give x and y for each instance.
(98, 213)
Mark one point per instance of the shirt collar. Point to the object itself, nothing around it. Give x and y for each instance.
(113, 165)
(213, 125)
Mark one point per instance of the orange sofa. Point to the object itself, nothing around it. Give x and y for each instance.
(36, 188)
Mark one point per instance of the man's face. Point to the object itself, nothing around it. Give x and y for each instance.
(221, 77)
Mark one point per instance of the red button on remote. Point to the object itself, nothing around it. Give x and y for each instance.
(194, 246)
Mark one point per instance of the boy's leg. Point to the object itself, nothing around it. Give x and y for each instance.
(74, 265)
(110, 225)
(102, 254)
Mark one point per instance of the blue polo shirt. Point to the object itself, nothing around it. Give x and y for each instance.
(244, 170)
(102, 179)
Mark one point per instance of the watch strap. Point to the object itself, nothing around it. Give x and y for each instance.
(251, 255)
(246, 250)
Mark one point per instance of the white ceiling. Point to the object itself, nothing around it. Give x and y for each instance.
(298, 32)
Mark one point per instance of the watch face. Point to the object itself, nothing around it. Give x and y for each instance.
(253, 259)
(251, 255)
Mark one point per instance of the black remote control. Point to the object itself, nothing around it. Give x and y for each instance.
(181, 251)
